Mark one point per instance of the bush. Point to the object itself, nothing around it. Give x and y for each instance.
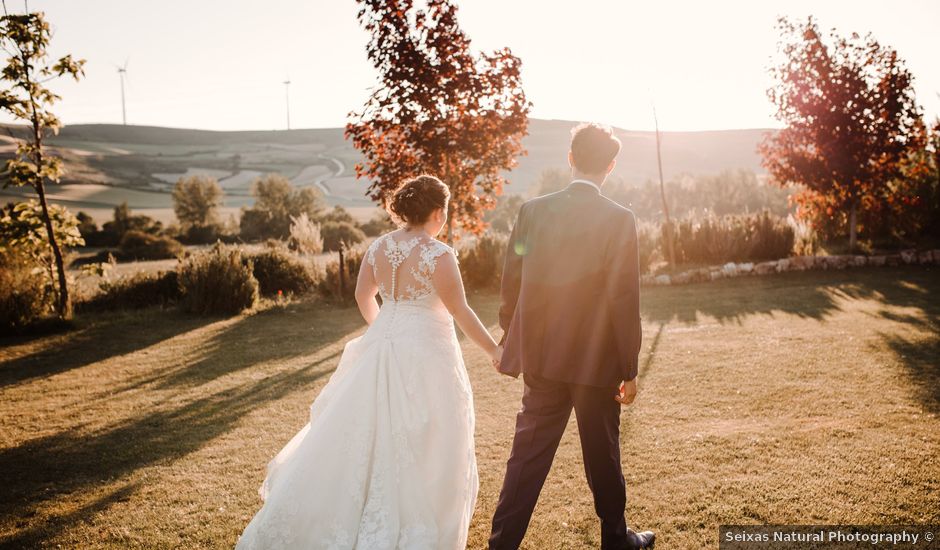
(217, 281)
(137, 245)
(329, 285)
(481, 265)
(770, 237)
(202, 234)
(338, 215)
(380, 223)
(124, 220)
(25, 295)
(334, 233)
(305, 235)
(717, 240)
(276, 269)
(136, 291)
(646, 243)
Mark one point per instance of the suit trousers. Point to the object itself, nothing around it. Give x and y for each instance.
(546, 407)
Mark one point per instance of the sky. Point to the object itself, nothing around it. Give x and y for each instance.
(221, 64)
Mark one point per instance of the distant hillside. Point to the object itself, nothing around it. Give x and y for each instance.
(107, 164)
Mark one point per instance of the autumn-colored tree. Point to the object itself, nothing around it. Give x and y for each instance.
(912, 211)
(850, 118)
(25, 38)
(439, 108)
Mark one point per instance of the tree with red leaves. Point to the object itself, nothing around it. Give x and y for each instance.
(439, 108)
(851, 118)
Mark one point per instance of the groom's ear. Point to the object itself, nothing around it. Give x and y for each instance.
(610, 167)
(570, 159)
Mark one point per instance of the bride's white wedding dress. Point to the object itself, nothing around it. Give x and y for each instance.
(387, 459)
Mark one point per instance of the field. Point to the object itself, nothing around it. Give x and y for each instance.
(796, 398)
(108, 164)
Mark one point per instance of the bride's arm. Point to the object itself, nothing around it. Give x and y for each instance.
(449, 287)
(366, 289)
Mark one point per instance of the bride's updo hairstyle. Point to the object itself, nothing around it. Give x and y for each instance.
(414, 201)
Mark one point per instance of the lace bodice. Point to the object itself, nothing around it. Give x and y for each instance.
(403, 269)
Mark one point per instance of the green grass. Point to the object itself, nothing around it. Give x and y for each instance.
(797, 398)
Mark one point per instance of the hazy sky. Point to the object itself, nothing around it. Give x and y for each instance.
(219, 64)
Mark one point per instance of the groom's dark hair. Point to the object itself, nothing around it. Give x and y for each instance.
(593, 147)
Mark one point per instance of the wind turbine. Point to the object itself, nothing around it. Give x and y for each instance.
(287, 98)
(122, 71)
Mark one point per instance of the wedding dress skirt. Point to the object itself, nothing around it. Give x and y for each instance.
(387, 459)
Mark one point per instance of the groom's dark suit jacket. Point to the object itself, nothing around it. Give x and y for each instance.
(570, 303)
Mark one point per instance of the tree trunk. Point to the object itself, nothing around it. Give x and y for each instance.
(63, 302)
(450, 228)
(853, 223)
(342, 269)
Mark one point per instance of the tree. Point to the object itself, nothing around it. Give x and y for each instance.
(25, 38)
(551, 180)
(439, 108)
(196, 201)
(849, 110)
(276, 201)
(23, 229)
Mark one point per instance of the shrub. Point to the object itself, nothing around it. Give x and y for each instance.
(338, 215)
(124, 220)
(806, 241)
(25, 295)
(646, 243)
(276, 269)
(137, 291)
(329, 285)
(380, 223)
(481, 265)
(305, 235)
(770, 237)
(217, 281)
(334, 233)
(137, 245)
(717, 240)
(202, 234)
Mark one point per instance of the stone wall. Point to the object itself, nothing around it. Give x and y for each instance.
(795, 263)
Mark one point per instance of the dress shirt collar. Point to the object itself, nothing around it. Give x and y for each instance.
(589, 182)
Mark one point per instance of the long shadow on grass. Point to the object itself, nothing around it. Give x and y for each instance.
(105, 336)
(41, 469)
(270, 336)
(917, 345)
(732, 300)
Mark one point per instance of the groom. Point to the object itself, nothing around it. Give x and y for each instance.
(570, 313)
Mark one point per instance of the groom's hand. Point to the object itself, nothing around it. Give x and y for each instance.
(627, 393)
(497, 357)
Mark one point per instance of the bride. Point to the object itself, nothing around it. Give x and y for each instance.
(387, 458)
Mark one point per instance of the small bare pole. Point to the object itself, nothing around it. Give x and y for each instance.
(287, 99)
(662, 193)
(122, 71)
(342, 269)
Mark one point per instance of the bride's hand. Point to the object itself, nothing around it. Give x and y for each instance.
(496, 356)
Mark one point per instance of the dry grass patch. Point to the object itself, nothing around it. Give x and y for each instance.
(805, 397)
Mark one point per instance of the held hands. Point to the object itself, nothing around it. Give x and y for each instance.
(627, 393)
(496, 356)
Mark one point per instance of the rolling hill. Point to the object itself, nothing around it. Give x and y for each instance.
(107, 164)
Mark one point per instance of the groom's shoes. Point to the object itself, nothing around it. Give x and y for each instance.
(636, 541)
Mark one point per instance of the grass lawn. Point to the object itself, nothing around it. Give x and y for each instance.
(796, 398)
